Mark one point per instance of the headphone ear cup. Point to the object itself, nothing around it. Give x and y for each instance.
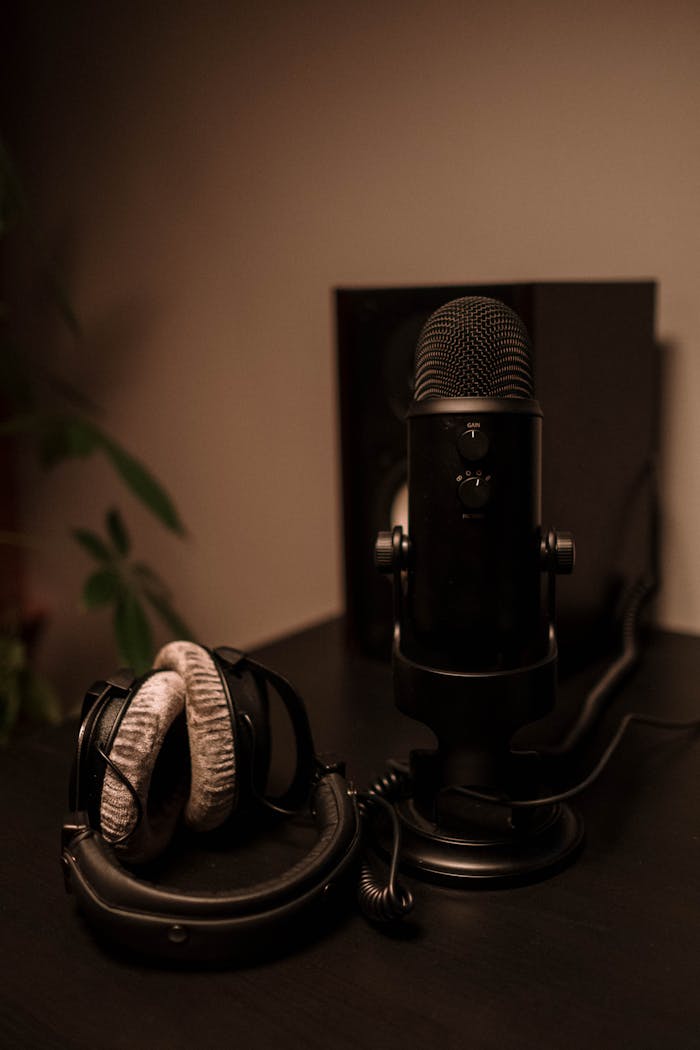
(151, 756)
(211, 728)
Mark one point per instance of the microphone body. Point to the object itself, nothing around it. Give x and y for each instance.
(475, 598)
(474, 648)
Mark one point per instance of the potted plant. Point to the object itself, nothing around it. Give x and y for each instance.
(60, 423)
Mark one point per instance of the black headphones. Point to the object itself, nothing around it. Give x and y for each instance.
(190, 741)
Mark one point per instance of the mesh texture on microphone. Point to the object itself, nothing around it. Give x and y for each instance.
(473, 347)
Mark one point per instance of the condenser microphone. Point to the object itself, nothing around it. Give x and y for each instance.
(475, 599)
(475, 653)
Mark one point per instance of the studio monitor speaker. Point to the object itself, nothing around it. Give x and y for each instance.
(595, 370)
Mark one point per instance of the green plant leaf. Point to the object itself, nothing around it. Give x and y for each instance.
(63, 304)
(117, 532)
(101, 588)
(93, 544)
(65, 437)
(16, 381)
(78, 401)
(159, 598)
(150, 581)
(13, 656)
(39, 699)
(23, 692)
(13, 659)
(143, 485)
(10, 703)
(133, 632)
(177, 626)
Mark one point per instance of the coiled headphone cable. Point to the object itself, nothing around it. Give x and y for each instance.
(384, 902)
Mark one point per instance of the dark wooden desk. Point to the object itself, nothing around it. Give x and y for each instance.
(605, 954)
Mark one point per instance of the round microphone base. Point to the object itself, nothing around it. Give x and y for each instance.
(542, 842)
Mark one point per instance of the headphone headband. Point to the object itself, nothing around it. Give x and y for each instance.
(201, 926)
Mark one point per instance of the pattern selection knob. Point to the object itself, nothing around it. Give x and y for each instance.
(474, 492)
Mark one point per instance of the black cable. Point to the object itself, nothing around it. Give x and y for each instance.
(384, 902)
(132, 791)
(548, 800)
(263, 800)
(613, 677)
(393, 784)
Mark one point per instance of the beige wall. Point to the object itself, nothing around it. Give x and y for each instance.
(207, 175)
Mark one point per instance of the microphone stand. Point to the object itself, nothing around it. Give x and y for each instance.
(448, 836)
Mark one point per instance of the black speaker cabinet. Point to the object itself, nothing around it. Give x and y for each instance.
(595, 369)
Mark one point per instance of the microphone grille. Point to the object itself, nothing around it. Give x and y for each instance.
(473, 347)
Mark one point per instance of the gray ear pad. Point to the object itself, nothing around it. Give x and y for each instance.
(139, 741)
(210, 729)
